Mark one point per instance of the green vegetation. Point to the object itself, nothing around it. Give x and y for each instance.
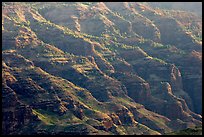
(188, 131)
(159, 60)
(50, 118)
(47, 119)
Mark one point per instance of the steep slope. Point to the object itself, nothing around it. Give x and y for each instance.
(98, 68)
(189, 131)
(195, 7)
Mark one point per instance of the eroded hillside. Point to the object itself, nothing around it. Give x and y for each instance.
(100, 68)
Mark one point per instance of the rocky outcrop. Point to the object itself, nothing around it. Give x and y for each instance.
(125, 116)
(16, 115)
(171, 104)
(137, 88)
(115, 119)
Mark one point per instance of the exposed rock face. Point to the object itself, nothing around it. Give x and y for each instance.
(176, 79)
(115, 119)
(125, 116)
(137, 88)
(171, 104)
(15, 114)
(99, 68)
